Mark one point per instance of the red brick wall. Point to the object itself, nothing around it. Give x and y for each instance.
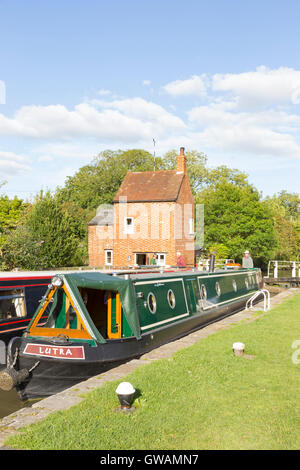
(185, 241)
(99, 238)
(161, 227)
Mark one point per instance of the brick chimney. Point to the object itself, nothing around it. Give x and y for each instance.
(181, 161)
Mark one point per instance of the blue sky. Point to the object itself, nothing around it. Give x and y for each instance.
(78, 77)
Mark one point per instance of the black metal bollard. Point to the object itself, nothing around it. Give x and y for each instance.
(212, 262)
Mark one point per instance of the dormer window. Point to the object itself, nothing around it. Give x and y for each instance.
(128, 226)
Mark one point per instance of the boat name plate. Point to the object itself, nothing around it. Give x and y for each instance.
(58, 352)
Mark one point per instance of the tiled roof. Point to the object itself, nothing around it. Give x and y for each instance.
(151, 186)
(105, 217)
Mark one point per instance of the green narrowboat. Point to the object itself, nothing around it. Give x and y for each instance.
(96, 321)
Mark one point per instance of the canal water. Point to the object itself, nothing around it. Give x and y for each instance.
(9, 403)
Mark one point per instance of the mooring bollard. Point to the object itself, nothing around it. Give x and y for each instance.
(125, 392)
(238, 349)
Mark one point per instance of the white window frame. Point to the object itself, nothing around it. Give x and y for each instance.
(128, 229)
(159, 263)
(112, 257)
(191, 227)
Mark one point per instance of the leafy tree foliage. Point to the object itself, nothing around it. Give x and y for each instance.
(52, 231)
(47, 238)
(10, 213)
(236, 218)
(285, 210)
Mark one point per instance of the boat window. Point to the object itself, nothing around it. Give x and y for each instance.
(61, 316)
(218, 289)
(171, 298)
(234, 285)
(60, 312)
(203, 292)
(12, 304)
(247, 283)
(105, 310)
(151, 302)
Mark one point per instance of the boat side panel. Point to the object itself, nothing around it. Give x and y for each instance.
(155, 305)
(194, 294)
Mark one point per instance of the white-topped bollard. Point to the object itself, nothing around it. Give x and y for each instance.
(125, 392)
(275, 269)
(238, 349)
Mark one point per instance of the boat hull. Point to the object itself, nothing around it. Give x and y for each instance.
(52, 375)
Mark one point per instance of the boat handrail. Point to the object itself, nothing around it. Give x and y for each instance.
(259, 292)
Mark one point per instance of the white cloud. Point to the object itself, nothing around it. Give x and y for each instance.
(250, 140)
(243, 116)
(147, 112)
(266, 133)
(12, 163)
(128, 120)
(262, 87)
(84, 151)
(192, 86)
(146, 82)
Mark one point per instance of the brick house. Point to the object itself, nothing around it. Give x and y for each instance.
(152, 213)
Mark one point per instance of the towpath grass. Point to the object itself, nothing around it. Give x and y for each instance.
(201, 398)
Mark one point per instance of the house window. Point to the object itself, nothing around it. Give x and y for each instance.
(108, 257)
(161, 259)
(191, 226)
(128, 225)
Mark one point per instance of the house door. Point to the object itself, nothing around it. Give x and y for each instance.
(141, 259)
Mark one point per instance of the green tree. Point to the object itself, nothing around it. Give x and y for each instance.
(46, 239)
(221, 251)
(235, 217)
(285, 210)
(22, 249)
(98, 182)
(196, 167)
(10, 214)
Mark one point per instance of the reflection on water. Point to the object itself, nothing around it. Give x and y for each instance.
(9, 403)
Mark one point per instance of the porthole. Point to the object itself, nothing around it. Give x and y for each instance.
(203, 292)
(234, 285)
(171, 298)
(151, 301)
(218, 289)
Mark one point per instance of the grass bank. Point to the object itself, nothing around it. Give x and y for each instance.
(201, 398)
